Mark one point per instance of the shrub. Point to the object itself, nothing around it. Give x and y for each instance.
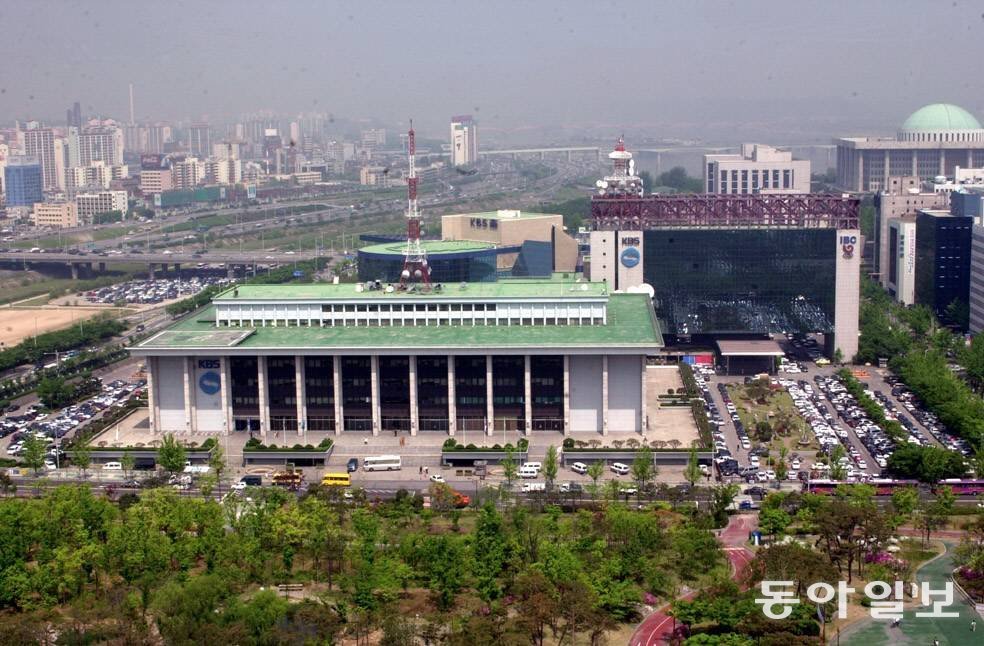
(568, 443)
(449, 444)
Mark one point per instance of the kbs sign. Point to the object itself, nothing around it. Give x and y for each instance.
(847, 244)
(630, 242)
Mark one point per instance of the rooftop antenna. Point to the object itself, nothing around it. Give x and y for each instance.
(415, 267)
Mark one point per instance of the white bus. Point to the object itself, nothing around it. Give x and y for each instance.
(382, 463)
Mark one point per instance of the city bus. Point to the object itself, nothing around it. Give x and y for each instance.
(382, 463)
(336, 480)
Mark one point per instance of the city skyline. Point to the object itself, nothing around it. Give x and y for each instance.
(730, 65)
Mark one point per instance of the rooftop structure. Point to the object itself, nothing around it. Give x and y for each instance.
(756, 169)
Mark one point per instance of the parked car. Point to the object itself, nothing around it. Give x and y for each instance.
(620, 468)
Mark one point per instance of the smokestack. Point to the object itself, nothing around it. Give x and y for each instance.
(132, 122)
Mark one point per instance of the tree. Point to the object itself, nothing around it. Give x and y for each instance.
(216, 461)
(550, 466)
(692, 472)
(82, 454)
(537, 606)
(490, 551)
(171, 454)
(54, 392)
(774, 521)
(595, 471)
(128, 462)
(444, 561)
(643, 468)
(928, 464)
(509, 469)
(904, 502)
(34, 452)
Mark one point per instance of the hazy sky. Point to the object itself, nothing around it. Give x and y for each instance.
(841, 65)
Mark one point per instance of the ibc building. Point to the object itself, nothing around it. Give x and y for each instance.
(727, 266)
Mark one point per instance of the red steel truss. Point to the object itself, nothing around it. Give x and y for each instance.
(801, 211)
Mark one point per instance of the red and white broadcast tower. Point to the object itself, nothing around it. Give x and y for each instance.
(415, 267)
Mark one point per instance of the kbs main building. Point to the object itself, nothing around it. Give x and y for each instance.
(548, 354)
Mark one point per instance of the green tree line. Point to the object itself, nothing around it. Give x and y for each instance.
(85, 333)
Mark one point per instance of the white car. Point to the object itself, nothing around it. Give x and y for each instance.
(238, 486)
(795, 464)
(113, 466)
(620, 469)
(437, 477)
(49, 465)
(579, 467)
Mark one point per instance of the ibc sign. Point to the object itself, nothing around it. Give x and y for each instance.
(847, 244)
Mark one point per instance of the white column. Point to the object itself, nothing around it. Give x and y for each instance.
(567, 394)
(261, 386)
(301, 390)
(374, 373)
(489, 407)
(528, 392)
(188, 413)
(225, 394)
(414, 413)
(643, 409)
(336, 382)
(604, 394)
(152, 403)
(452, 394)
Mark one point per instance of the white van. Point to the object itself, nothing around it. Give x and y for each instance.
(113, 466)
(533, 465)
(526, 471)
(620, 469)
(579, 467)
(534, 486)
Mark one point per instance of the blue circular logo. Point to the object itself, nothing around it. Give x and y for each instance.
(630, 257)
(209, 382)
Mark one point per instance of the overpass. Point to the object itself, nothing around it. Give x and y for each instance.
(540, 152)
(231, 259)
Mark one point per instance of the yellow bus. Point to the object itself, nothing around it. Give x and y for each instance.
(336, 480)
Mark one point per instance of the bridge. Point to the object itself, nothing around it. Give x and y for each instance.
(83, 262)
(541, 152)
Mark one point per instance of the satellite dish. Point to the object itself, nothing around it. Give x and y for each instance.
(600, 184)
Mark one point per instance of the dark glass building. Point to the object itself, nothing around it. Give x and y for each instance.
(721, 281)
(942, 259)
(451, 261)
(22, 179)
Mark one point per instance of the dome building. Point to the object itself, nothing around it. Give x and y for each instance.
(934, 140)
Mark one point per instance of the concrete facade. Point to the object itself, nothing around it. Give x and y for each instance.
(900, 267)
(756, 169)
(902, 198)
(977, 280)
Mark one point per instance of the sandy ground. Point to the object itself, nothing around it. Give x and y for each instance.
(19, 323)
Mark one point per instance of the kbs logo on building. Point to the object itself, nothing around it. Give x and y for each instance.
(630, 256)
(209, 381)
(847, 244)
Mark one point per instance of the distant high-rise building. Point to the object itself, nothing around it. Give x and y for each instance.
(199, 142)
(295, 133)
(95, 143)
(757, 169)
(73, 116)
(464, 140)
(374, 138)
(188, 172)
(22, 181)
(40, 143)
(159, 135)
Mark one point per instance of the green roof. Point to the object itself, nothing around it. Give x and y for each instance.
(506, 288)
(432, 247)
(631, 323)
(941, 116)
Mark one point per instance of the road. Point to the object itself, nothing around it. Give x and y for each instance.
(950, 631)
(658, 627)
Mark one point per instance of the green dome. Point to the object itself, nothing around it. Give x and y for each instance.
(941, 117)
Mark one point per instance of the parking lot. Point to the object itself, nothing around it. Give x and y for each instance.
(150, 292)
(55, 427)
(832, 414)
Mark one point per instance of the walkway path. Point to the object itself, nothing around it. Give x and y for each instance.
(953, 631)
(657, 628)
